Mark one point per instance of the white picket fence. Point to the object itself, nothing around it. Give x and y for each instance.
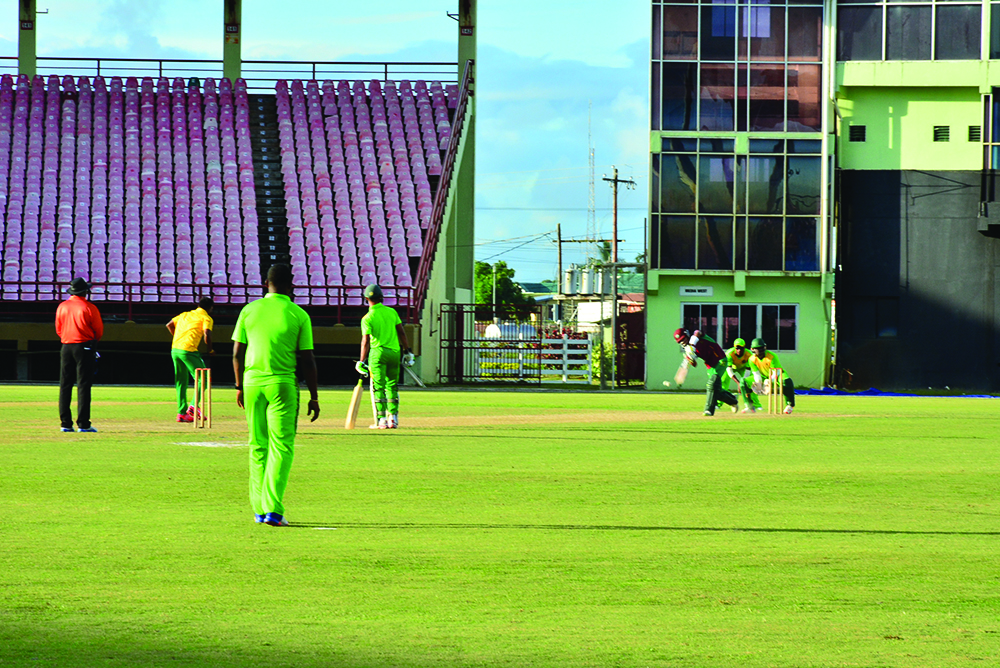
(553, 361)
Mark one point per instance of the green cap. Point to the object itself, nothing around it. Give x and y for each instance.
(758, 343)
(740, 342)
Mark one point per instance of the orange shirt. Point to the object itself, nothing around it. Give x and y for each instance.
(78, 321)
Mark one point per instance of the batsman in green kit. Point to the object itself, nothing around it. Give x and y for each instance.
(381, 336)
(273, 338)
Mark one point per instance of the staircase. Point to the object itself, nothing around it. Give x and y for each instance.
(268, 183)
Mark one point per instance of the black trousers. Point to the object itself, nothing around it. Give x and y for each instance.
(77, 364)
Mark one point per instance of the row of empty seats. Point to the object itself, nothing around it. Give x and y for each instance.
(146, 188)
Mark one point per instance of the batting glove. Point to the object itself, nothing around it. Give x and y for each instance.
(361, 368)
(409, 359)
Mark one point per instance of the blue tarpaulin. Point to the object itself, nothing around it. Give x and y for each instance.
(872, 392)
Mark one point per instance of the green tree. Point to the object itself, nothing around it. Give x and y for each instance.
(507, 291)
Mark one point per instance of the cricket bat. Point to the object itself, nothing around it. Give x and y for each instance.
(682, 373)
(352, 409)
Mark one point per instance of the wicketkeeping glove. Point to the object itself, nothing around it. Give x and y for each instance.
(409, 359)
(361, 368)
(758, 388)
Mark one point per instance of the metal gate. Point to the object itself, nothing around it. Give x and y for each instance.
(630, 367)
(513, 346)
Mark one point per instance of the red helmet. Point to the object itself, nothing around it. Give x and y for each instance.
(681, 336)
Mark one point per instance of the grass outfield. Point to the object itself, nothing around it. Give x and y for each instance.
(506, 529)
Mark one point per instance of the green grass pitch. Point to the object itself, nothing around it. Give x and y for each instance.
(506, 529)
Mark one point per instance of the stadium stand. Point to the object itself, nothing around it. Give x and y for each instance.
(158, 190)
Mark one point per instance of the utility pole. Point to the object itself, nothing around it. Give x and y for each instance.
(495, 292)
(629, 183)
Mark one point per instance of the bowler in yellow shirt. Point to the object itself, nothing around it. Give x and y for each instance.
(189, 329)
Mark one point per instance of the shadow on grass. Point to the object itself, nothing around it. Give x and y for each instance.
(614, 527)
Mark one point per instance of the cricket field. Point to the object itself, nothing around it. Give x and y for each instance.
(506, 528)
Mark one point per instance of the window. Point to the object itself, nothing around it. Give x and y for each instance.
(856, 133)
(942, 133)
(913, 30)
(777, 324)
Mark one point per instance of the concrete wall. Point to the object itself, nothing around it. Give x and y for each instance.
(917, 291)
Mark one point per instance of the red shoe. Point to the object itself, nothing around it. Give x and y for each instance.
(184, 417)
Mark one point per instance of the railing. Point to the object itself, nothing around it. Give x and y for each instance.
(330, 300)
(260, 75)
(444, 185)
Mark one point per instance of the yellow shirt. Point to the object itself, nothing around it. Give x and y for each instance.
(190, 328)
(764, 366)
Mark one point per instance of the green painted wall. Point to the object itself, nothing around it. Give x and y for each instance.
(899, 126)
(806, 366)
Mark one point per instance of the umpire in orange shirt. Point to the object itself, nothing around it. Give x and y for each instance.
(79, 326)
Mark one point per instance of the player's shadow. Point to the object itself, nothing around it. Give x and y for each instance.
(383, 526)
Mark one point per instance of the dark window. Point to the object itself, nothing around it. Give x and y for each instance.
(859, 33)
(786, 328)
(857, 133)
(678, 96)
(718, 33)
(677, 183)
(803, 185)
(908, 33)
(677, 235)
(958, 31)
(764, 27)
(801, 244)
(654, 97)
(805, 33)
(715, 183)
(680, 33)
(704, 317)
(804, 91)
(942, 133)
(764, 237)
(769, 325)
(975, 133)
(655, 54)
(994, 31)
(765, 178)
(767, 97)
(715, 242)
(718, 96)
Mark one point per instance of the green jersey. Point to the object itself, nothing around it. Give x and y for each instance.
(273, 329)
(380, 325)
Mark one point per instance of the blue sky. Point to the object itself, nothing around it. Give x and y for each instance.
(541, 67)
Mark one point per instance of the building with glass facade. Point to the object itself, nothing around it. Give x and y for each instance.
(803, 151)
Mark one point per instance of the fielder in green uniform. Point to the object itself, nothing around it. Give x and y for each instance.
(273, 337)
(381, 335)
(762, 362)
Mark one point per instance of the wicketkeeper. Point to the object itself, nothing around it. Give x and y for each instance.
(762, 362)
(696, 344)
(739, 366)
(381, 335)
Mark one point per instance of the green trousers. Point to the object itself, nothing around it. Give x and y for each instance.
(184, 365)
(714, 391)
(272, 418)
(383, 364)
(787, 389)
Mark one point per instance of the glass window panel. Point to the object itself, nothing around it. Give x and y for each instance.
(654, 242)
(908, 33)
(740, 199)
(958, 32)
(805, 146)
(654, 97)
(655, 54)
(677, 234)
(764, 237)
(801, 244)
(703, 317)
(717, 145)
(678, 96)
(767, 145)
(748, 322)
(859, 33)
(740, 245)
(730, 325)
(767, 97)
(769, 325)
(994, 31)
(654, 183)
(677, 183)
(679, 144)
(718, 33)
(742, 96)
(803, 185)
(805, 33)
(692, 317)
(765, 28)
(786, 327)
(765, 184)
(715, 242)
(718, 96)
(680, 33)
(804, 92)
(715, 184)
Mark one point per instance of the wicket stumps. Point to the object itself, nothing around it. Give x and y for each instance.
(775, 391)
(202, 398)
